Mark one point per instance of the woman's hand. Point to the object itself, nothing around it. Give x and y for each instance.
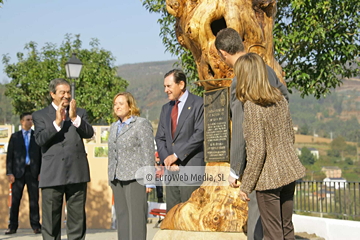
(244, 196)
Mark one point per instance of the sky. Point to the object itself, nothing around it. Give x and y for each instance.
(123, 27)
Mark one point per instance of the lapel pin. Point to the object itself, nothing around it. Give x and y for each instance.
(189, 108)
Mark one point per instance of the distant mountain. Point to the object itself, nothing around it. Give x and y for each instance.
(146, 83)
(331, 115)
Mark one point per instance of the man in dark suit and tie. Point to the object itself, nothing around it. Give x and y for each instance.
(59, 131)
(180, 134)
(23, 161)
(230, 47)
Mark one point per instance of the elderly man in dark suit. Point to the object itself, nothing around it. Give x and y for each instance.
(23, 161)
(230, 47)
(59, 130)
(180, 134)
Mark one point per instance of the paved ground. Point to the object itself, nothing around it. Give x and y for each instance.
(92, 234)
(109, 234)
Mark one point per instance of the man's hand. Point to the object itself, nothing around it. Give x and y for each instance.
(233, 182)
(148, 190)
(11, 178)
(174, 168)
(244, 196)
(170, 160)
(60, 114)
(72, 110)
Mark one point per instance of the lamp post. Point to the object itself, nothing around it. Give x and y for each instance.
(73, 68)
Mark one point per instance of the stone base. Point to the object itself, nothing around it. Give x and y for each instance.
(192, 235)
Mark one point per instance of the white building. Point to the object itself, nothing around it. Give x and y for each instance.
(335, 182)
(313, 151)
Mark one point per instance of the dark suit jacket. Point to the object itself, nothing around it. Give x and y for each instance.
(189, 135)
(64, 160)
(237, 145)
(16, 154)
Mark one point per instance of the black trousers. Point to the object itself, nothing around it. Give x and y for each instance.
(52, 202)
(17, 192)
(159, 192)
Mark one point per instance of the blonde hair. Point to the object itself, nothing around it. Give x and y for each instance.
(252, 81)
(134, 110)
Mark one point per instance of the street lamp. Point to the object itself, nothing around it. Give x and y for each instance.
(73, 68)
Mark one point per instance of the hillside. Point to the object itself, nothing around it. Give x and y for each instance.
(348, 162)
(146, 84)
(336, 115)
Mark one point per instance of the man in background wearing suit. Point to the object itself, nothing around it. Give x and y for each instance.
(23, 161)
(59, 131)
(180, 134)
(230, 47)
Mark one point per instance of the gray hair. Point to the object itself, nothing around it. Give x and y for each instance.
(55, 82)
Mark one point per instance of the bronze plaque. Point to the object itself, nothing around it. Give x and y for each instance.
(217, 127)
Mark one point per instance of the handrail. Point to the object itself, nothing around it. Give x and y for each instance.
(334, 199)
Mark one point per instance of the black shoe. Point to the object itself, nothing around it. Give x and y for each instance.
(37, 230)
(160, 200)
(10, 231)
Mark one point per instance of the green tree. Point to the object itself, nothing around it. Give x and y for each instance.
(349, 161)
(304, 129)
(30, 77)
(333, 153)
(306, 157)
(338, 146)
(315, 41)
(350, 150)
(5, 107)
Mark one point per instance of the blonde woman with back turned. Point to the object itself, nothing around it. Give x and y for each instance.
(272, 164)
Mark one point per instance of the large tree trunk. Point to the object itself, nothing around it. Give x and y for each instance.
(198, 21)
(219, 208)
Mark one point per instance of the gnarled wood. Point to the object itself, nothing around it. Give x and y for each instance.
(210, 208)
(219, 208)
(198, 21)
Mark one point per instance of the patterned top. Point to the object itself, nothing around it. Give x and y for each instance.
(271, 158)
(131, 149)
